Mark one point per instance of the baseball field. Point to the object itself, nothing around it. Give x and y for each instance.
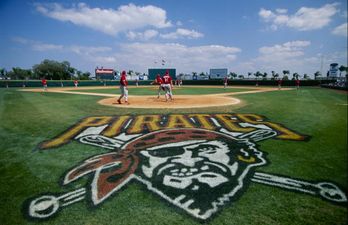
(240, 155)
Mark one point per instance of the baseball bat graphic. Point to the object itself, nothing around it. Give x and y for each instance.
(47, 205)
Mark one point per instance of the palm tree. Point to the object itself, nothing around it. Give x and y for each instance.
(295, 76)
(264, 75)
(249, 74)
(316, 74)
(342, 68)
(257, 74)
(230, 75)
(286, 72)
(234, 75)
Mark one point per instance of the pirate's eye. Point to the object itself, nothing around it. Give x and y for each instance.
(207, 149)
(167, 152)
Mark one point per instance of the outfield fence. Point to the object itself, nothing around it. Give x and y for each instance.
(70, 83)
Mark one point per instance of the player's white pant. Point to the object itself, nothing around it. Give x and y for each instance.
(160, 88)
(124, 92)
(168, 91)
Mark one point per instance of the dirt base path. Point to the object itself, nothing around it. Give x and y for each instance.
(180, 101)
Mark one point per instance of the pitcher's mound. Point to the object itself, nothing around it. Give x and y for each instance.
(180, 101)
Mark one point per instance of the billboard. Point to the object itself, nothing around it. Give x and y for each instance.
(218, 73)
(104, 74)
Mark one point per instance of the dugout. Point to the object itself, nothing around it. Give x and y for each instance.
(153, 73)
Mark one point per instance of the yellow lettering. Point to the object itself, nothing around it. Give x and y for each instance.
(178, 121)
(75, 130)
(115, 127)
(151, 122)
(203, 120)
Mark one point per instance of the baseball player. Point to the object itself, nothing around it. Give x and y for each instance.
(280, 84)
(124, 88)
(44, 84)
(159, 81)
(297, 82)
(225, 82)
(167, 84)
(76, 83)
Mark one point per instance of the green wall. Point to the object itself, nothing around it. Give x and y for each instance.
(153, 73)
(70, 83)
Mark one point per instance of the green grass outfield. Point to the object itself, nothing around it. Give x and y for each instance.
(27, 119)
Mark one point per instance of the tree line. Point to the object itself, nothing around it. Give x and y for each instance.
(49, 69)
(286, 75)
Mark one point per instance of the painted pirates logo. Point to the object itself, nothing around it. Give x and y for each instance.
(196, 162)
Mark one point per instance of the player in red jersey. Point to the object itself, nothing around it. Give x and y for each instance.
(297, 82)
(159, 81)
(124, 88)
(76, 83)
(279, 84)
(44, 83)
(167, 84)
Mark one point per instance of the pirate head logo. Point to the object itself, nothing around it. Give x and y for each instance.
(197, 170)
(193, 168)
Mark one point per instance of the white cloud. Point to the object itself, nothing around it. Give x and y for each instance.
(20, 40)
(267, 15)
(304, 19)
(146, 35)
(87, 50)
(341, 30)
(280, 11)
(179, 23)
(46, 47)
(286, 50)
(86, 53)
(37, 45)
(109, 21)
(141, 56)
(182, 33)
(287, 56)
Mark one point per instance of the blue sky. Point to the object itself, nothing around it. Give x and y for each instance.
(243, 36)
